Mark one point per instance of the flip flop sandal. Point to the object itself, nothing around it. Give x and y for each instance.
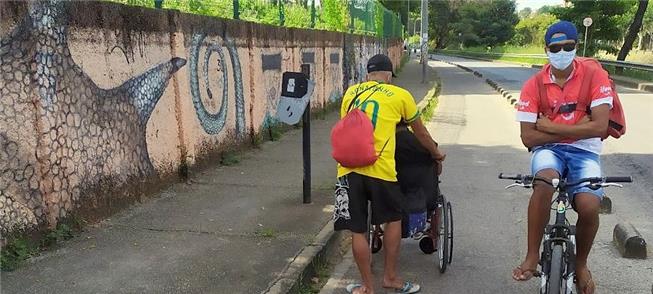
(529, 273)
(408, 288)
(587, 283)
(351, 287)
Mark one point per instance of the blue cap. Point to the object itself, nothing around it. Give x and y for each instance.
(564, 27)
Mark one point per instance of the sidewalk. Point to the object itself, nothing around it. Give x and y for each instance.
(234, 229)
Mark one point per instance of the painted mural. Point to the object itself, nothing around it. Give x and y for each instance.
(64, 138)
(59, 130)
(217, 88)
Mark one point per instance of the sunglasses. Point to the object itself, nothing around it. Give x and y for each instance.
(555, 48)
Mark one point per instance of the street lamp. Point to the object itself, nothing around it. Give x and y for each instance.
(587, 22)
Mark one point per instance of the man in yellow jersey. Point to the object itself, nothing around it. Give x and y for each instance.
(386, 105)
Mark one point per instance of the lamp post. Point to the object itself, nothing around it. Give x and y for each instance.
(587, 22)
(425, 36)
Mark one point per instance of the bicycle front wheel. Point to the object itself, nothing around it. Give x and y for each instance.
(555, 271)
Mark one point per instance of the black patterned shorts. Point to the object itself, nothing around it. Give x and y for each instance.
(351, 196)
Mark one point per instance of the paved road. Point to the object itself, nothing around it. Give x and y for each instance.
(476, 127)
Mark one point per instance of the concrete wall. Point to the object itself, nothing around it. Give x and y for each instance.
(102, 102)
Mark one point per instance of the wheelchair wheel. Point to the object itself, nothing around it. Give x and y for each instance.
(426, 245)
(376, 244)
(450, 232)
(442, 215)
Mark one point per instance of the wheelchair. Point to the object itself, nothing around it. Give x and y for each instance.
(431, 224)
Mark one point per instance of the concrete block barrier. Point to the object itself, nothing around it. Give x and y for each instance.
(629, 241)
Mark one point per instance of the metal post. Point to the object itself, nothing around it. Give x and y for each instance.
(158, 3)
(408, 20)
(585, 43)
(282, 15)
(236, 10)
(313, 14)
(424, 35)
(306, 142)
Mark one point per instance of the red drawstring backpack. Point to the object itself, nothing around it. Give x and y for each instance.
(352, 138)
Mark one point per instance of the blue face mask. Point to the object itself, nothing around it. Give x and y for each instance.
(562, 59)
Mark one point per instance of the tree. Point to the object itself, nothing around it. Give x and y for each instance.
(526, 12)
(486, 23)
(546, 9)
(633, 30)
(403, 8)
(609, 19)
(530, 31)
(441, 16)
(647, 29)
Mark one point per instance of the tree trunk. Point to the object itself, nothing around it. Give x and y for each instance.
(633, 30)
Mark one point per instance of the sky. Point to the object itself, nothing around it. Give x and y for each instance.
(536, 4)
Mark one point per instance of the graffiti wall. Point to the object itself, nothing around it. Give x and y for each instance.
(100, 101)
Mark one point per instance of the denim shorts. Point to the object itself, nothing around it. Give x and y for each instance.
(571, 163)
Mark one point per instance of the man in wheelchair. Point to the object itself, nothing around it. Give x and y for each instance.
(417, 174)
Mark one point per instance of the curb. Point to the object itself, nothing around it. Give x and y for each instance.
(628, 241)
(303, 266)
(490, 82)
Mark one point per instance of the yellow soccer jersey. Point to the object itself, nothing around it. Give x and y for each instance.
(386, 105)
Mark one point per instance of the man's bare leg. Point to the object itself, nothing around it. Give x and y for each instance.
(362, 255)
(391, 243)
(587, 206)
(538, 216)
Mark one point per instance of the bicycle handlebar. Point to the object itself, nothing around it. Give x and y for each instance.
(529, 179)
(619, 179)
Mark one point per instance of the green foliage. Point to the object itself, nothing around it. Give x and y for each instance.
(546, 9)
(414, 41)
(531, 30)
(334, 16)
(473, 23)
(229, 158)
(610, 20)
(21, 246)
(15, 252)
(259, 11)
(442, 14)
(218, 8)
(525, 13)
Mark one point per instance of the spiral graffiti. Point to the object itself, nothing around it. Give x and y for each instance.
(213, 123)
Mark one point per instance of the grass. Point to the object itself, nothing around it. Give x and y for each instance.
(477, 52)
(229, 158)
(531, 49)
(645, 57)
(316, 282)
(16, 252)
(22, 246)
(432, 102)
(266, 233)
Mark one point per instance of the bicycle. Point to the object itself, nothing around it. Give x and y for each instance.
(558, 257)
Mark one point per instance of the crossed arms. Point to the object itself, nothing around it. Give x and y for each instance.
(544, 131)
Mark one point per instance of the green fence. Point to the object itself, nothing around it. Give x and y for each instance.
(366, 17)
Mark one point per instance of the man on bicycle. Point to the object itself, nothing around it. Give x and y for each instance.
(565, 144)
(386, 105)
